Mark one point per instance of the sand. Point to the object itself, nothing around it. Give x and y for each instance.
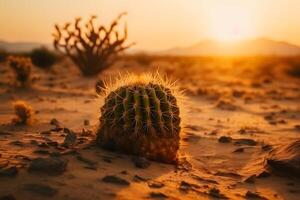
(237, 119)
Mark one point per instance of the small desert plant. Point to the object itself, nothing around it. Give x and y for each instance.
(141, 117)
(92, 49)
(22, 68)
(43, 58)
(23, 113)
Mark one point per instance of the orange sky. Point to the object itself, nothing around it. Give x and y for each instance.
(158, 24)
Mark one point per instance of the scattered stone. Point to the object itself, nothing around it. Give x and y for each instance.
(41, 189)
(8, 171)
(7, 197)
(70, 139)
(191, 137)
(226, 104)
(51, 166)
(141, 162)
(225, 139)
(253, 195)
(107, 159)
(267, 147)
(86, 122)
(86, 160)
(285, 159)
(158, 195)
(115, 180)
(245, 141)
(156, 184)
(239, 150)
(138, 178)
(214, 192)
(54, 122)
(185, 186)
(204, 180)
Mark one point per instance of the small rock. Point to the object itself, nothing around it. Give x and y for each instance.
(141, 162)
(253, 195)
(138, 178)
(158, 195)
(86, 122)
(86, 160)
(245, 141)
(238, 150)
(185, 186)
(115, 180)
(267, 147)
(54, 122)
(41, 189)
(70, 139)
(214, 192)
(155, 184)
(225, 139)
(51, 166)
(8, 171)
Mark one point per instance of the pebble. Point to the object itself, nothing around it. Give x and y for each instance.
(141, 162)
(51, 166)
(156, 184)
(253, 195)
(158, 195)
(225, 139)
(245, 141)
(115, 180)
(41, 189)
(70, 139)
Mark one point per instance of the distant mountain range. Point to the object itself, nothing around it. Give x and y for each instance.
(261, 46)
(21, 46)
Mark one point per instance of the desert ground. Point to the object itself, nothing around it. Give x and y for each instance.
(240, 115)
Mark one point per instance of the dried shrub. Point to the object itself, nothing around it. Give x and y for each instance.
(22, 69)
(23, 113)
(43, 58)
(93, 49)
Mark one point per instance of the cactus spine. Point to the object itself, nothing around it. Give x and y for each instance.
(141, 119)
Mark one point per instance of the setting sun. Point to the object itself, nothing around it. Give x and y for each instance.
(231, 23)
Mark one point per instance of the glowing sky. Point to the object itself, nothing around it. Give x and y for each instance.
(158, 24)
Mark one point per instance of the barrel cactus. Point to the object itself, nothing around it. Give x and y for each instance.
(141, 116)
